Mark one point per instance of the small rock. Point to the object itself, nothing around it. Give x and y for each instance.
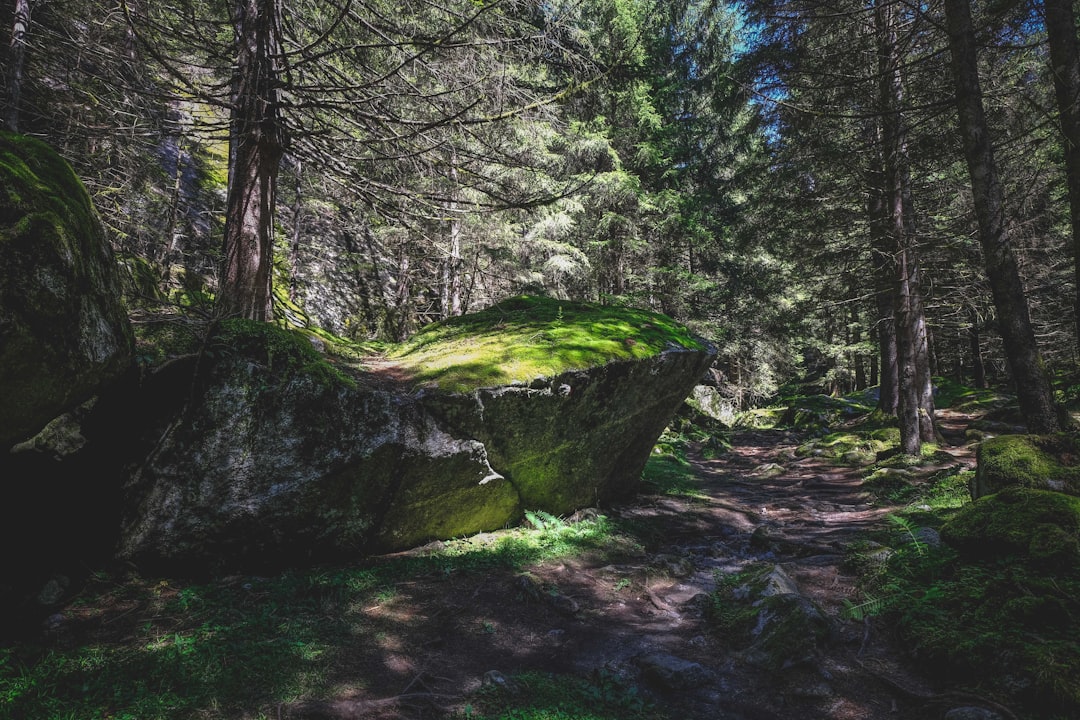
(769, 470)
(583, 514)
(674, 673)
(698, 603)
(494, 678)
(971, 713)
(778, 582)
(675, 565)
(928, 536)
(763, 538)
(562, 603)
(53, 591)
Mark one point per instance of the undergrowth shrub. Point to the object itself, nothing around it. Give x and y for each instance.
(1003, 622)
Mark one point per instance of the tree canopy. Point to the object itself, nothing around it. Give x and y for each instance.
(794, 180)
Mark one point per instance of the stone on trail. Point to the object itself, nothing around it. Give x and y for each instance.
(673, 673)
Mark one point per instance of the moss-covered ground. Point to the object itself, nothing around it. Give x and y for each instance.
(993, 608)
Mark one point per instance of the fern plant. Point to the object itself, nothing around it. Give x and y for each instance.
(543, 520)
(868, 608)
(909, 527)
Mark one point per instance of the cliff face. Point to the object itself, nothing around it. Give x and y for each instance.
(277, 457)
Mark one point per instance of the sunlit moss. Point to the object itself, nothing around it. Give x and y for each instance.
(1050, 462)
(529, 337)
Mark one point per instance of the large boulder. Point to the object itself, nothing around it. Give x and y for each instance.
(65, 342)
(64, 333)
(279, 457)
(1040, 525)
(1046, 462)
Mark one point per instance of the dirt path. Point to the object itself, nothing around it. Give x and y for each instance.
(592, 618)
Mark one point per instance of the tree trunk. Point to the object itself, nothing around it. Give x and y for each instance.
(874, 361)
(1033, 388)
(16, 63)
(978, 370)
(402, 309)
(451, 304)
(908, 406)
(858, 358)
(886, 372)
(899, 226)
(256, 146)
(1065, 69)
(924, 380)
(297, 229)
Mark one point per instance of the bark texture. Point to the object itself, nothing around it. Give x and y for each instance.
(257, 144)
(1065, 68)
(16, 62)
(1033, 389)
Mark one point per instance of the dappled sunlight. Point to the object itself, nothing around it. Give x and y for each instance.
(418, 633)
(526, 338)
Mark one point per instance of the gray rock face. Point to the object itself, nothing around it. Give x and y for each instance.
(272, 459)
(63, 331)
(65, 341)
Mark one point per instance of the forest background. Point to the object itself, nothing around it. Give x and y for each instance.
(850, 194)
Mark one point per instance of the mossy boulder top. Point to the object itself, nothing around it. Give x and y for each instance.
(279, 455)
(64, 333)
(1042, 526)
(1047, 462)
(527, 337)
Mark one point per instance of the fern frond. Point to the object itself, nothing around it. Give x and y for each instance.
(910, 528)
(868, 608)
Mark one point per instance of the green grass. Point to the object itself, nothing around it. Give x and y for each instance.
(669, 472)
(526, 337)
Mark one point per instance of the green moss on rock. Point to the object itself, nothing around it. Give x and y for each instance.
(284, 353)
(1049, 462)
(995, 605)
(527, 337)
(1040, 524)
(63, 331)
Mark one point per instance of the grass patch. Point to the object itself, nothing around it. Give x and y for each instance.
(951, 394)
(528, 337)
(668, 472)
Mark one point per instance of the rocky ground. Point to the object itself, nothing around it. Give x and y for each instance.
(646, 621)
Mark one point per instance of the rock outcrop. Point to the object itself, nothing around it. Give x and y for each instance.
(64, 333)
(278, 457)
(65, 340)
(1044, 462)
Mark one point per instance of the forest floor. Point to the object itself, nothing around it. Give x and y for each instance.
(623, 628)
(454, 641)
